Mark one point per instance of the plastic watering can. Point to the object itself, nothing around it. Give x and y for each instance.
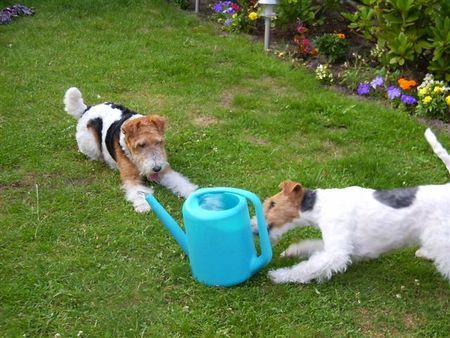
(219, 240)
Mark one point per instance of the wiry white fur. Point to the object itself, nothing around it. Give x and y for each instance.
(438, 148)
(355, 225)
(177, 183)
(73, 102)
(85, 139)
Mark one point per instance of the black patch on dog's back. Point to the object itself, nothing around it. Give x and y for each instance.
(309, 200)
(123, 109)
(97, 125)
(396, 198)
(112, 135)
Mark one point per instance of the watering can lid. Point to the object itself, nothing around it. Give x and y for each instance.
(192, 204)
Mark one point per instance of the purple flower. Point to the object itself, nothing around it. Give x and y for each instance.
(218, 7)
(377, 82)
(408, 100)
(230, 11)
(363, 89)
(228, 22)
(393, 92)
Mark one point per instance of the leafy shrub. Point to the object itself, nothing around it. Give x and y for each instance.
(309, 11)
(288, 11)
(333, 46)
(440, 41)
(406, 29)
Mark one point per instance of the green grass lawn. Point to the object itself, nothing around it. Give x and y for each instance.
(74, 256)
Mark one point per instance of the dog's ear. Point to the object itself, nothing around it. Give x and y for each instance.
(293, 190)
(130, 127)
(159, 122)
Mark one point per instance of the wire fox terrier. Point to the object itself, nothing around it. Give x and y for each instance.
(129, 142)
(358, 223)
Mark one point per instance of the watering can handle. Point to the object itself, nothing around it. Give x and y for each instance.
(266, 249)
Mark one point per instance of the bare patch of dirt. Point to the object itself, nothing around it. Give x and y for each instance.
(256, 140)
(409, 320)
(331, 148)
(205, 121)
(227, 99)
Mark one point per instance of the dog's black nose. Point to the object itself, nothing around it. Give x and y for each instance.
(156, 168)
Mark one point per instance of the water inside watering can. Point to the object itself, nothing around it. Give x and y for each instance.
(217, 202)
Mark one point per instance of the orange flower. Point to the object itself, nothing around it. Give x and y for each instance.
(340, 35)
(406, 84)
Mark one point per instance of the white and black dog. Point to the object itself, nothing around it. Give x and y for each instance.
(129, 142)
(358, 223)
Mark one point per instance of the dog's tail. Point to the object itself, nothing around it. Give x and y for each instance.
(73, 102)
(438, 148)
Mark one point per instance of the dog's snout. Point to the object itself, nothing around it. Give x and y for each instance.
(156, 168)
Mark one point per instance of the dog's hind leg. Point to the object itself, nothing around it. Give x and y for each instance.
(89, 138)
(436, 246)
(303, 248)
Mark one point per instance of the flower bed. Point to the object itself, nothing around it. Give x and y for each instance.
(397, 50)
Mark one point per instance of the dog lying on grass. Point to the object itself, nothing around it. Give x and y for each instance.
(358, 223)
(129, 142)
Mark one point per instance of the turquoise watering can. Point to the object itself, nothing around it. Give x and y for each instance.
(219, 240)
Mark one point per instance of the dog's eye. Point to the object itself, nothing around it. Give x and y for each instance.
(271, 205)
(142, 145)
(158, 143)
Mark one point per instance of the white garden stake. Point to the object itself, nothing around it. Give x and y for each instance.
(196, 5)
(267, 12)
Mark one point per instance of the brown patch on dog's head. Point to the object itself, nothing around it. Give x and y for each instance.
(144, 132)
(284, 207)
(144, 138)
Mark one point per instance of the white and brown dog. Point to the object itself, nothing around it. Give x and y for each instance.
(127, 141)
(358, 223)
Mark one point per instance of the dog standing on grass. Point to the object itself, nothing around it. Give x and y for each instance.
(129, 142)
(358, 223)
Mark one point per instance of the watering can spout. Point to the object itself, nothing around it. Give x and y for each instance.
(168, 222)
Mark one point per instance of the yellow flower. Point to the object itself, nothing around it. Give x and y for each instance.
(447, 99)
(340, 35)
(438, 90)
(423, 91)
(234, 16)
(427, 99)
(253, 16)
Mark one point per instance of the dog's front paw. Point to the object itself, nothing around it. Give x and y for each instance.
(142, 207)
(422, 253)
(279, 276)
(187, 189)
(291, 251)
